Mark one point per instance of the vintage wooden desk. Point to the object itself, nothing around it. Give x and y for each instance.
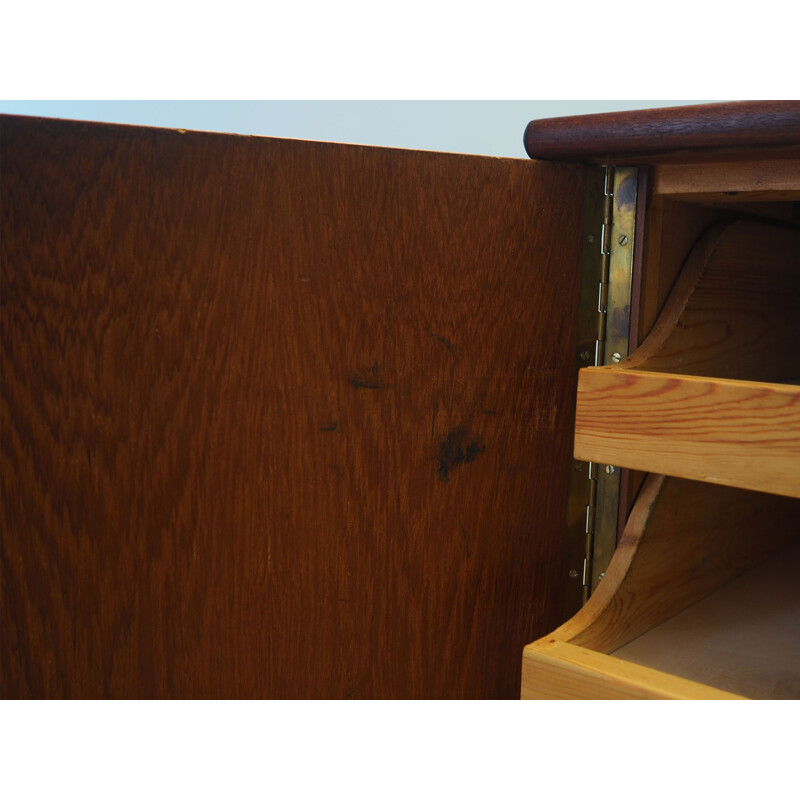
(287, 419)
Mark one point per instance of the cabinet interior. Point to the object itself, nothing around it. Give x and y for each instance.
(705, 417)
(744, 637)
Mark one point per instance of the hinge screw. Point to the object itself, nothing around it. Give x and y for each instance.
(601, 576)
(585, 355)
(590, 238)
(609, 470)
(616, 358)
(573, 573)
(623, 240)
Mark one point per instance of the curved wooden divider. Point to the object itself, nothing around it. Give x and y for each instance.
(693, 401)
(683, 541)
(733, 312)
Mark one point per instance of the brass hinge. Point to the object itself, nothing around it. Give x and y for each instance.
(603, 328)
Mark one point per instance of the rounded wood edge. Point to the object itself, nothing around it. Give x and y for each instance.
(679, 296)
(611, 136)
(592, 614)
(721, 240)
(563, 671)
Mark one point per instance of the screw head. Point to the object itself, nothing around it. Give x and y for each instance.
(616, 358)
(573, 573)
(590, 238)
(609, 470)
(623, 240)
(601, 576)
(585, 355)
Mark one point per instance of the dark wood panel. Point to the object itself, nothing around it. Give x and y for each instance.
(279, 419)
(600, 138)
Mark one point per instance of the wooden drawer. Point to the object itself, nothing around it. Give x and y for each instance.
(699, 601)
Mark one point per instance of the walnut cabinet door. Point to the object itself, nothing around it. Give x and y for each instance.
(280, 419)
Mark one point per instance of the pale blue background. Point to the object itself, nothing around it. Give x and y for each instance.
(477, 127)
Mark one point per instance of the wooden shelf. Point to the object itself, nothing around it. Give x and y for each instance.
(744, 638)
(760, 180)
(728, 432)
(556, 670)
(743, 641)
(694, 604)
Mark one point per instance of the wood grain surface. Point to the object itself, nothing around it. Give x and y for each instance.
(279, 419)
(633, 135)
(671, 229)
(745, 638)
(732, 313)
(555, 670)
(683, 541)
(733, 433)
(753, 181)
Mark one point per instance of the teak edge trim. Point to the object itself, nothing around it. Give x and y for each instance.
(604, 137)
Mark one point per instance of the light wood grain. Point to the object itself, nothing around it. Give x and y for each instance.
(672, 228)
(744, 638)
(277, 418)
(683, 541)
(777, 180)
(731, 314)
(556, 670)
(733, 311)
(733, 433)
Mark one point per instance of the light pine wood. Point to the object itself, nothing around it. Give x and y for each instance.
(744, 638)
(733, 311)
(683, 541)
(733, 433)
(752, 180)
(671, 229)
(555, 670)
(705, 396)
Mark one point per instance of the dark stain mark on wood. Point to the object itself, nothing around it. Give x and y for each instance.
(330, 427)
(360, 383)
(369, 378)
(446, 342)
(457, 448)
(465, 537)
